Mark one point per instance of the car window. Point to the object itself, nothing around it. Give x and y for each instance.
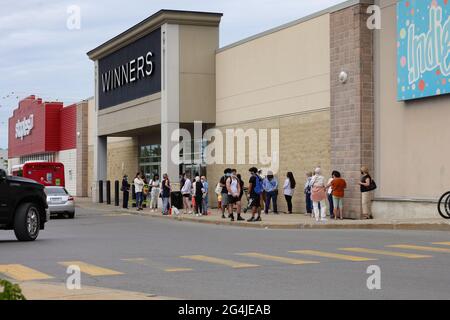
(56, 191)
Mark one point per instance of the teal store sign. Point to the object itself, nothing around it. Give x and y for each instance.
(423, 48)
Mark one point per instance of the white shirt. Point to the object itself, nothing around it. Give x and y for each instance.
(138, 185)
(287, 188)
(234, 186)
(187, 187)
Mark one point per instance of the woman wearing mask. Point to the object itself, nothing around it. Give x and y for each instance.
(138, 187)
(154, 194)
(198, 194)
(288, 189)
(307, 191)
(126, 191)
(367, 186)
(318, 195)
(165, 194)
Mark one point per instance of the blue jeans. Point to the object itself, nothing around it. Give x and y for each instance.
(165, 205)
(139, 199)
(330, 201)
(272, 195)
(205, 205)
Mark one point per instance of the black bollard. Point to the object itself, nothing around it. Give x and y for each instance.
(116, 193)
(100, 191)
(108, 192)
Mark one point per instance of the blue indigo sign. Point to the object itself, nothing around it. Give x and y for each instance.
(423, 48)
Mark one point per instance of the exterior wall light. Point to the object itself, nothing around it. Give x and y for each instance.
(343, 77)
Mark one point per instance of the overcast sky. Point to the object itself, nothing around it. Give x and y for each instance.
(40, 55)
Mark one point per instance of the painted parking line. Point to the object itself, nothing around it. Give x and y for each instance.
(332, 255)
(91, 269)
(146, 262)
(276, 258)
(387, 253)
(420, 248)
(213, 260)
(442, 243)
(20, 272)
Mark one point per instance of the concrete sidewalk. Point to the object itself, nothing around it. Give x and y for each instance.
(58, 291)
(281, 221)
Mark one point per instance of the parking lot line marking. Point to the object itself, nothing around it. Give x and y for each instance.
(387, 253)
(146, 262)
(420, 248)
(276, 258)
(332, 255)
(177, 269)
(22, 273)
(91, 269)
(442, 243)
(228, 263)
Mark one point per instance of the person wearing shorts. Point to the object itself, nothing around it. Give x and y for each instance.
(224, 192)
(338, 186)
(255, 199)
(234, 190)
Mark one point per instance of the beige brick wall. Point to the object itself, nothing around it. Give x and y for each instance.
(304, 144)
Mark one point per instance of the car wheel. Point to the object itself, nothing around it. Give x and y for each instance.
(27, 222)
(71, 215)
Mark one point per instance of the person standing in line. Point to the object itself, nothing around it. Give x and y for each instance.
(255, 190)
(186, 191)
(234, 190)
(307, 191)
(198, 194)
(154, 193)
(165, 194)
(138, 187)
(224, 192)
(338, 185)
(145, 190)
(205, 195)
(126, 191)
(330, 197)
(241, 185)
(318, 195)
(270, 185)
(367, 186)
(288, 190)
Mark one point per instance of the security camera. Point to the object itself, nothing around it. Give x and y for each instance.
(343, 77)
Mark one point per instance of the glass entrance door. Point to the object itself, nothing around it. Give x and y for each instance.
(150, 160)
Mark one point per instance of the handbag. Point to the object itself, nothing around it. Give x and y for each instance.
(372, 185)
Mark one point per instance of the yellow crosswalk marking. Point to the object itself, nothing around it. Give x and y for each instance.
(442, 243)
(386, 253)
(276, 258)
(420, 248)
(146, 262)
(332, 255)
(177, 269)
(22, 273)
(228, 263)
(91, 269)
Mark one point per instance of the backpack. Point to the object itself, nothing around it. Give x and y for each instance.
(258, 185)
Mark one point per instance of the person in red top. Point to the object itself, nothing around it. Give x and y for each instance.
(338, 186)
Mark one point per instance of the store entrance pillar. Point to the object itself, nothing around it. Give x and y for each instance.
(101, 164)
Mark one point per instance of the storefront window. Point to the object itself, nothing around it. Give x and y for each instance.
(150, 160)
(193, 161)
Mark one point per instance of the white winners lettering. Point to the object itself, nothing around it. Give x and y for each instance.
(130, 72)
(430, 50)
(24, 127)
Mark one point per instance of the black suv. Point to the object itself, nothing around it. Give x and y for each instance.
(23, 206)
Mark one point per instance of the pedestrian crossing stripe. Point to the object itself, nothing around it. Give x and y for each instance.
(332, 255)
(20, 272)
(387, 253)
(276, 258)
(228, 263)
(442, 243)
(91, 269)
(146, 262)
(420, 248)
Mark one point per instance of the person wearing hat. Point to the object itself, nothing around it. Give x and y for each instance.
(126, 191)
(270, 185)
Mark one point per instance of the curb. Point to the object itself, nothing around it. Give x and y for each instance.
(296, 226)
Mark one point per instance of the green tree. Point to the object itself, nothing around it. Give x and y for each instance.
(10, 291)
